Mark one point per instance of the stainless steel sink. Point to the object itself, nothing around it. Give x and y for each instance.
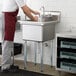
(42, 30)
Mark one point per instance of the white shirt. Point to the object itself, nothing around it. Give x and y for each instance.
(12, 5)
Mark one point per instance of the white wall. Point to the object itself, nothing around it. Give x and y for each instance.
(0, 6)
(68, 23)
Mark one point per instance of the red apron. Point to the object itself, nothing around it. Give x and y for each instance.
(10, 24)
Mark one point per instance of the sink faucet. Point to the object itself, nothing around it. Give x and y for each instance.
(42, 15)
(43, 10)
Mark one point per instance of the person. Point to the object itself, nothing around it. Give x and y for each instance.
(10, 10)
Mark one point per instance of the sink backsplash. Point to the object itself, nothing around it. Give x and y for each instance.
(50, 16)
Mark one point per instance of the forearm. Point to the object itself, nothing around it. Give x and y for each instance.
(30, 9)
(28, 12)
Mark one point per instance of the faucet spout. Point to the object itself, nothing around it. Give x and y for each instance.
(43, 10)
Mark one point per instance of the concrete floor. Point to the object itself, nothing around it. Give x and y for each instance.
(46, 68)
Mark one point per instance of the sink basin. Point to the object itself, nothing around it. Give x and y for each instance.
(35, 31)
(38, 31)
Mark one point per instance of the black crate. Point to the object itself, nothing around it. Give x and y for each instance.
(17, 48)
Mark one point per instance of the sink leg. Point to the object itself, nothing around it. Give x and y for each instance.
(51, 52)
(25, 53)
(35, 49)
(41, 57)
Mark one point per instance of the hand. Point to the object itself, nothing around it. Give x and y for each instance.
(35, 18)
(36, 13)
